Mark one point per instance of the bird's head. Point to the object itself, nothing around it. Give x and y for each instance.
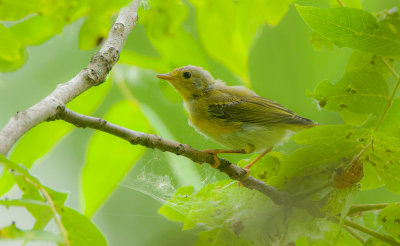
(189, 81)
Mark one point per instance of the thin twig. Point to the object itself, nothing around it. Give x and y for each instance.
(306, 193)
(96, 72)
(53, 208)
(340, 3)
(390, 102)
(365, 208)
(372, 233)
(354, 234)
(156, 142)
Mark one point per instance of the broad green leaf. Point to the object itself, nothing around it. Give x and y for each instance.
(274, 10)
(319, 42)
(359, 91)
(391, 123)
(347, 3)
(325, 234)
(353, 119)
(12, 232)
(163, 22)
(42, 138)
(355, 28)
(360, 61)
(385, 157)
(36, 30)
(135, 59)
(11, 10)
(109, 158)
(29, 186)
(47, 18)
(371, 179)
(328, 147)
(269, 166)
(96, 27)
(389, 218)
(12, 51)
(218, 26)
(228, 215)
(93, 31)
(177, 209)
(81, 231)
(220, 236)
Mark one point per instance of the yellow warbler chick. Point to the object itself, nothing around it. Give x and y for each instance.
(233, 116)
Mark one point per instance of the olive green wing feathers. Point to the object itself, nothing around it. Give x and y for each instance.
(256, 110)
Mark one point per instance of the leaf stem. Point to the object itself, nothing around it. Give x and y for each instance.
(366, 207)
(390, 102)
(354, 234)
(372, 233)
(52, 206)
(340, 3)
(306, 193)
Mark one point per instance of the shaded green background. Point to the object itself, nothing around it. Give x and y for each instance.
(283, 65)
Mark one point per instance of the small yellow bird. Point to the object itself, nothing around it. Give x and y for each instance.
(233, 116)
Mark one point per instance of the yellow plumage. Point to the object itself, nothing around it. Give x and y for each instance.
(233, 116)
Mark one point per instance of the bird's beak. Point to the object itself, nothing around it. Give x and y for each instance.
(166, 76)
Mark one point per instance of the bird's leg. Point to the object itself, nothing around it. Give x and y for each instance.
(248, 166)
(215, 153)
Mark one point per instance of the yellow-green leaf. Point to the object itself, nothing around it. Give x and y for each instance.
(109, 158)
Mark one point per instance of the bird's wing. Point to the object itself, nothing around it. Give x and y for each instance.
(257, 110)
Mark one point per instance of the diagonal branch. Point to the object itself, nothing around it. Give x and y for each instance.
(96, 72)
(156, 142)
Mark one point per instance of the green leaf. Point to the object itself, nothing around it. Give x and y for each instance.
(13, 232)
(29, 185)
(12, 51)
(359, 91)
(97, 25)
(218, 26)
(348, 3)
(43, 137)
(359, 66)
(385, 157)
(163, 23)
(36, 30)
(228, 215)
(359, 61)
(319, 42)
(371, 179)
(274, 10)
(391, 123)
(81, 231)
(328, 147)
(14, 10)
(220, 236)
(109, 158)
(135, 59)
(354, 28)
(389, 218)
(93, 31)
(325, 234)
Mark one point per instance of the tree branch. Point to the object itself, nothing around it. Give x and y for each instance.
(96, 72)
(358, 208)
(156, 142)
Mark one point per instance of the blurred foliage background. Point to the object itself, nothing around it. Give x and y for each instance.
(281, 65)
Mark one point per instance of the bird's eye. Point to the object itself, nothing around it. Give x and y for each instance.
(187, 75)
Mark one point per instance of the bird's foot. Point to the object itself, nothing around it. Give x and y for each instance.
(214, 152)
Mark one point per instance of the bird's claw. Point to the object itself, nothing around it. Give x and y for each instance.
(215, 156)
